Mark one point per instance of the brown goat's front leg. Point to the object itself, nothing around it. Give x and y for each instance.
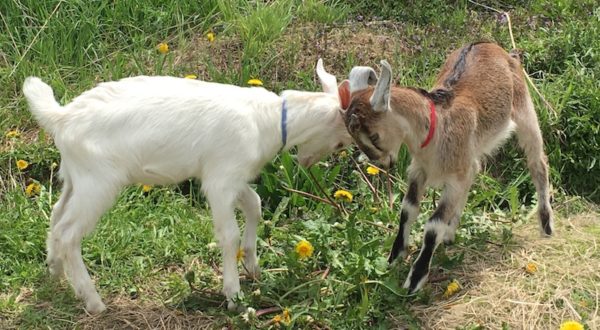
(437, 229)
(410, 211)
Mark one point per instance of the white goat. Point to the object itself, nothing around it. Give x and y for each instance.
(162, 130)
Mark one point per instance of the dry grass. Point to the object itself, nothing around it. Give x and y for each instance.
(124, 313)
(497, 290)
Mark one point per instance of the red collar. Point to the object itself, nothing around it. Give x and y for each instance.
(432, 120)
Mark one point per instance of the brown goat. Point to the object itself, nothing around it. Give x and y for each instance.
(478, 99)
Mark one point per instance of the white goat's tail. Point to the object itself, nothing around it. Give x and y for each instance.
(42, 103)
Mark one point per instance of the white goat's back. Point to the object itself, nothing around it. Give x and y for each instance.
(161, 129)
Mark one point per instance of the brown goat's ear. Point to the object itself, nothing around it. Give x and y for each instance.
(380, 100)
(361, 77)
(344, 94)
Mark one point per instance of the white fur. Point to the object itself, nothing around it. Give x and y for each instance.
(162, 130)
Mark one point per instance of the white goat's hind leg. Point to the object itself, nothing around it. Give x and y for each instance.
(89, 200)
(54, 259)
(530, 140)
(249, 203)
(221, 198)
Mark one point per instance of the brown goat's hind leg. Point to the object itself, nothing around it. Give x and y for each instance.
(530, 139)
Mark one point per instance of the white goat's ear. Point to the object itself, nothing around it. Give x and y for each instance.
(361, 77)
(380, 101)
(328, 81)
(344, 94)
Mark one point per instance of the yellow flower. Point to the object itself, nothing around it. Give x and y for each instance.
(372, 170)
(22, 164)
(343, 194)
(452, 289)
(531, 268)
(163, 48)
(255, 82)
(13, 134)
(286, 316)
(304, 249)
(146, 188)
(276, 319)
(210, 36)
(191, 76)
(33, 189)
(240, 254)
(571, 325)
(343, 154)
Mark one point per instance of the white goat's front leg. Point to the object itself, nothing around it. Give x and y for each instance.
(410, 211)
(222, 200)
(437, 229)
(249, 203)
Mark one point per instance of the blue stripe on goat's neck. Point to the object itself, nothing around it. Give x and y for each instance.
(283, 124)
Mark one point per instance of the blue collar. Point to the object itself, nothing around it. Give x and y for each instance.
(283, 124)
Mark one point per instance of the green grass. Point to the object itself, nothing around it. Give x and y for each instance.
(153, 249)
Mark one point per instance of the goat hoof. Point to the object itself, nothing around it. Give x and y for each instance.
(94, 306)
(253, 272)
(397, 255)
(55, 268)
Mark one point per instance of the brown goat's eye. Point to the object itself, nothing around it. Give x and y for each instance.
(374, 138)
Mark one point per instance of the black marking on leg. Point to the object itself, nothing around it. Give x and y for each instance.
(545, 220)
(440, 211)
(421, 267)
(399, 241)
(412, 193)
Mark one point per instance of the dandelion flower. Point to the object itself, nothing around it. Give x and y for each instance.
(255, 82)
(286, 316)
(304, 249)
(146, 188)
(13, 134)
(163, 48)
(571, 325)
(344, 195)
(210, 36)
(452, 289)
(531, 268)
(22, 164)
(33, 189)
(276, 319)
(343, 154)
(240, 254)
(191, 76)
(372, 170)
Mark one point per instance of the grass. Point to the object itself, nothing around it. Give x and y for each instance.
(152, 255)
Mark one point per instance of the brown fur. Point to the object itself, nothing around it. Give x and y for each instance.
(480, 94)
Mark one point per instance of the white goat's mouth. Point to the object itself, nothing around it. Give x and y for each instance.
(306, 161)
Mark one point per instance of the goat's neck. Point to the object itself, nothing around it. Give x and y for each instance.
(411, 111)
(308, 114)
